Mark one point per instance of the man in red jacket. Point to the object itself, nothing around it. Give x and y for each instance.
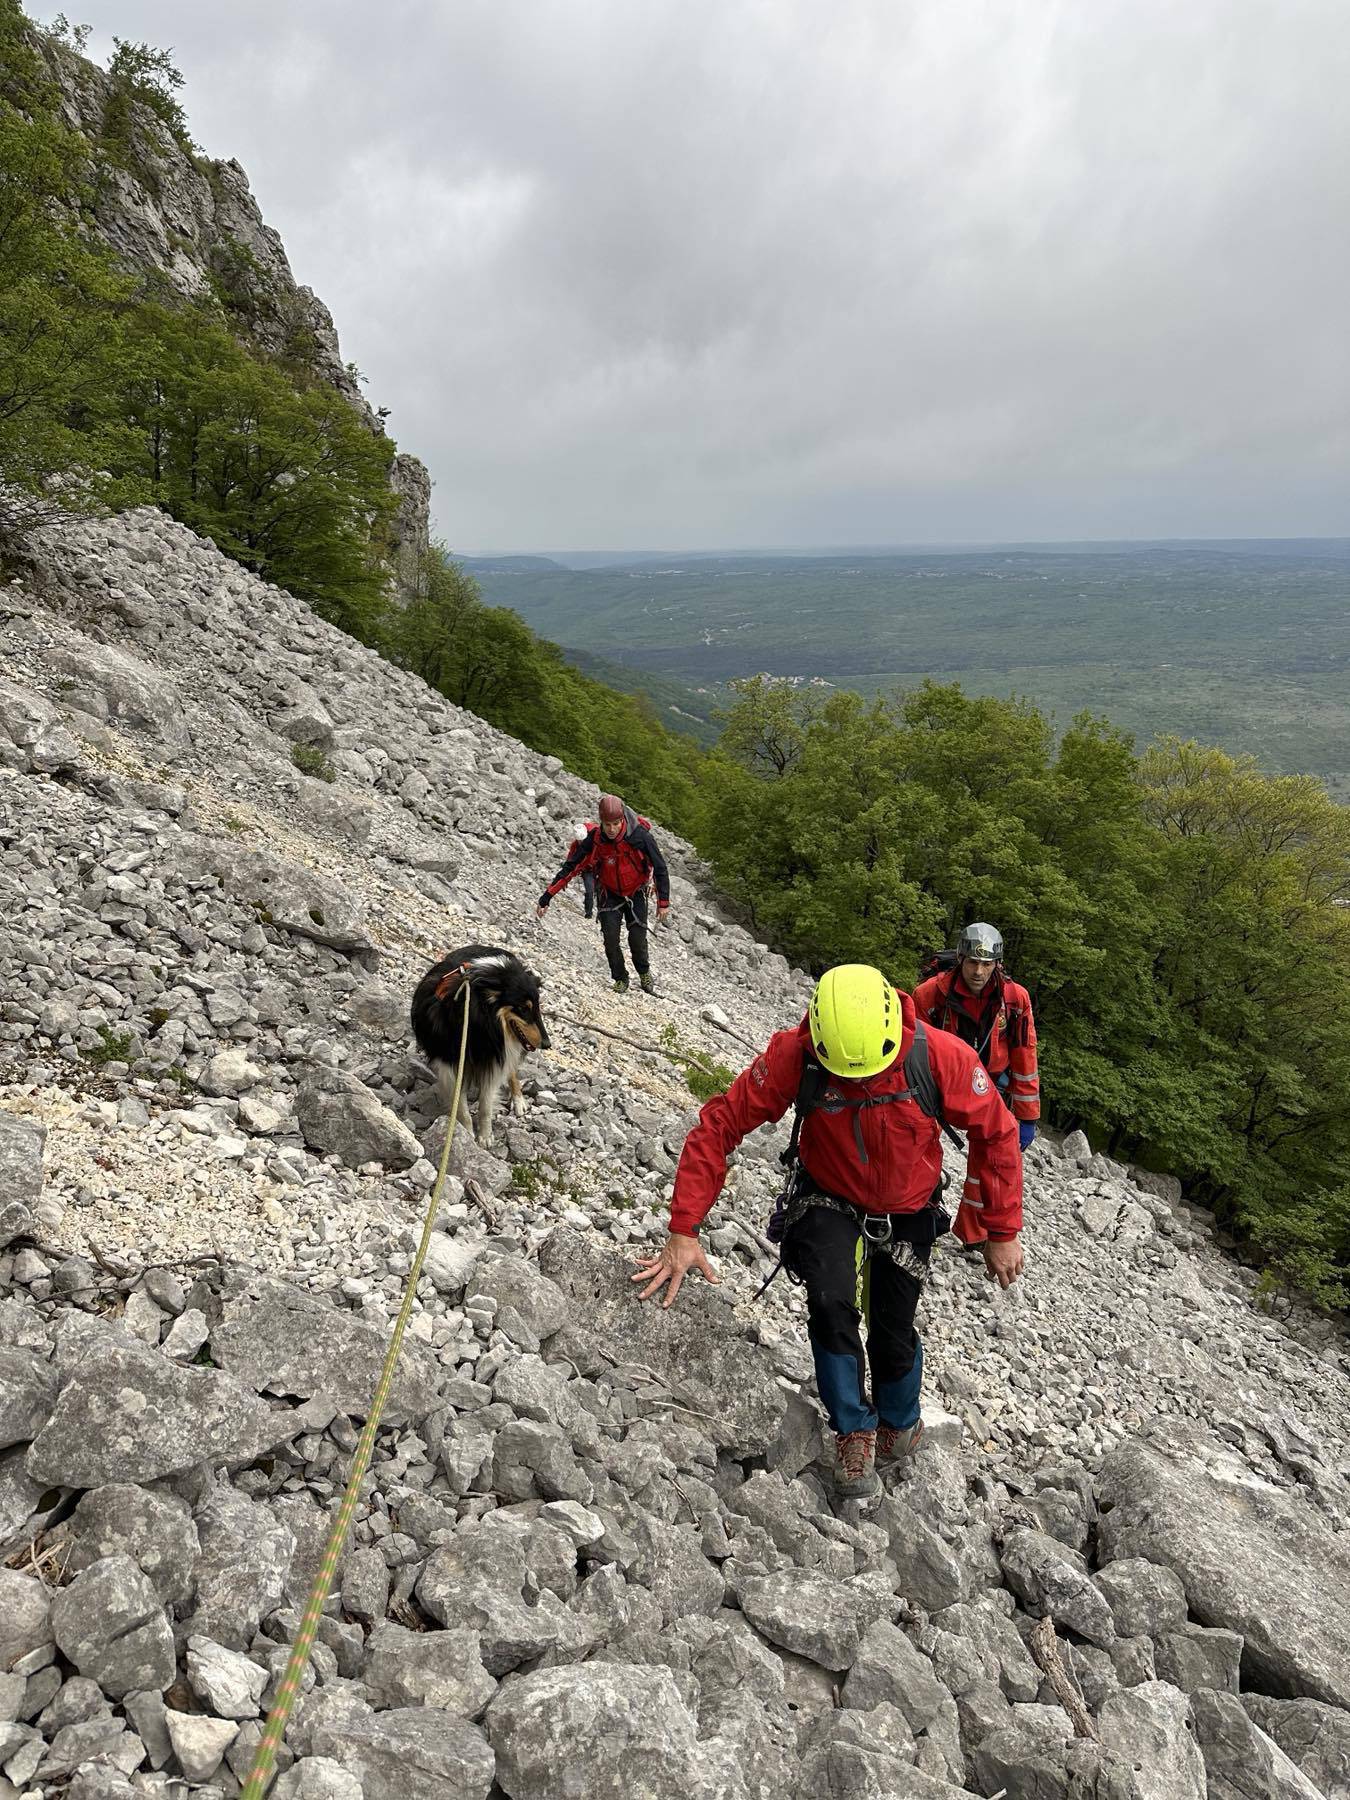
(992, 1014)
(623, 856)
(864, 1211)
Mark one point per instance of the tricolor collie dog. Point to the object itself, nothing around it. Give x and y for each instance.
(505, 1024)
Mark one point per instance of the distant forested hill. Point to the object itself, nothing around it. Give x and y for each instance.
(1240, 643)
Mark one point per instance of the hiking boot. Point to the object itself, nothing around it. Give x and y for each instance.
(855, 1472)
(646, 983)
(893, 1443)
(621, 985)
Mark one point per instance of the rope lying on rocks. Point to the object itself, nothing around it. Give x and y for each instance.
(288, 1691)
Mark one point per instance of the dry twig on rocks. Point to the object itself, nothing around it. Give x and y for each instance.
(1044, 1646)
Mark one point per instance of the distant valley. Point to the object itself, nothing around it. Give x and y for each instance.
(1241, 643)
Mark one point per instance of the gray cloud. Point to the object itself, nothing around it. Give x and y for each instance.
(697, 272)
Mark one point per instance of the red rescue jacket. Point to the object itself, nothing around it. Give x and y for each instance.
(622, 865)
(902, 1145)
(998, 1025)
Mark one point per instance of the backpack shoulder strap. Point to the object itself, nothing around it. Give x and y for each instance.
(810, 1089)
(922, 1082)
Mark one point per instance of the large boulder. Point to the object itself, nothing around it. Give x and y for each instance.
(697, 1347)
(413, 1753)
(28, 1389)
(275, 1338)
(112, 1625)
(1314, 1735)
(21, 1144)
(603, 1731)
(814, 1616)
(339, 1116)
(111, 685)
(126, 1413)
(1151, 1727)
(1242, 1763)
(1252, 1557)
(32, 736)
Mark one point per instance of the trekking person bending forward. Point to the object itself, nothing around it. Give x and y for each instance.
(862, 1211)
(623, 856)
(971, 994)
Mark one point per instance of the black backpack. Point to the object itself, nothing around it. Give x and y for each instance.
(919, 1085)
(937, 962)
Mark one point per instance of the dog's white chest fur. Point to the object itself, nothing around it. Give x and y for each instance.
(487, 1084)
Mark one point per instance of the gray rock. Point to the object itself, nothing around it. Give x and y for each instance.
(1252, 1557)
(1241, 1762)
(1076, 1148)
(1143, 1597)
(230, 1684)
(1049, 1578)
(275, 1337)
(199, 1743)
(888, 1670)
(671, 1564)
(1005, 1657)
(21, 1144)
(477, 1580)
(814, 1616)
(28, 1390)
(928, 1573)
(1314, 1735)
(230, 1073)
(16, 1221)
(1151, 1726)
(25, 1616)
(530, 1458)
(110, 1622)
(512, 1281)
(241, 1573)
(413, 1753)
(38, 743)
(1199, 1656)
(365, 1586)
(154, 1529)
(317, 1778)
(339, 1116)
(696, 1347)
(450, 1262)
(126, 1413)
(428, 1668)
(634, 1728)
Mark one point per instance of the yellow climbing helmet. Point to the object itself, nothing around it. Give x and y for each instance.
(855, 1021)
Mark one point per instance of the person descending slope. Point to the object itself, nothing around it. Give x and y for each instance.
(862, 1209)
(972, 995)
(623, 856)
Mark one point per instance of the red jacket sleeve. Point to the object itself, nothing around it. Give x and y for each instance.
(1025, 1089)
(577, 857)
(759, 1095)
(991, 1205)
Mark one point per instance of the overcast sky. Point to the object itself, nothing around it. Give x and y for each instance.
(680, 273)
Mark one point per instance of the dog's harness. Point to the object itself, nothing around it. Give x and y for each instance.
(450, 981)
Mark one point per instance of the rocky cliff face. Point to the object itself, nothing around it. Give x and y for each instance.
(194, 222)
(599, 1554)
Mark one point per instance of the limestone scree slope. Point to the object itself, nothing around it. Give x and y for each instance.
(598, 1554)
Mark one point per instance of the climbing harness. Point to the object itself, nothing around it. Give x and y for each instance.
(288, 1690)
(800, 1193)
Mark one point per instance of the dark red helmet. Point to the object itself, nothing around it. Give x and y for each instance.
(611, 809)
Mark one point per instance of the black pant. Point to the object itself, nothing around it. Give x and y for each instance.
(588, 888)
(615, 911)
(844, 1285)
